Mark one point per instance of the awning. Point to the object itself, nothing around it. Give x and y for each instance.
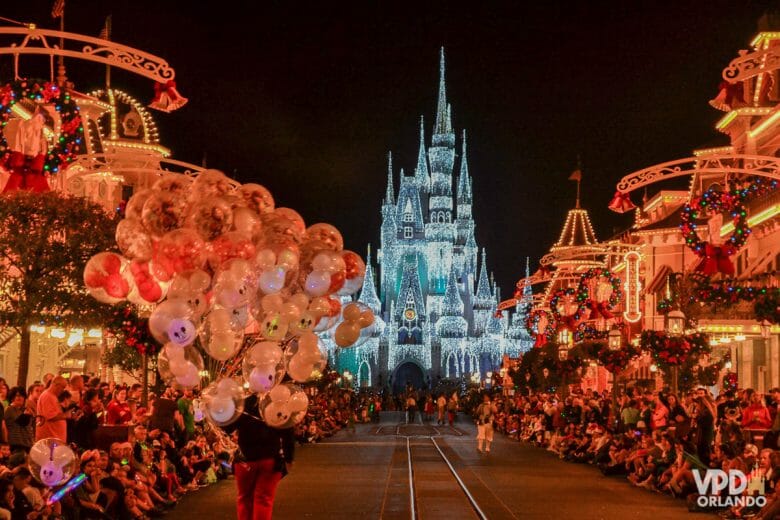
(659, 280)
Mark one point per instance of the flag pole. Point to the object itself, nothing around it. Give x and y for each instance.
(61, 77)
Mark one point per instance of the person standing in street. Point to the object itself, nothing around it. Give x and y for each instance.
(441, 409)
(411, 408)
(265, 455)
(485, 413)
(51, 417)
(452, 409)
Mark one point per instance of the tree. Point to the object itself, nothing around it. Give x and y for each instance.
(46, 240)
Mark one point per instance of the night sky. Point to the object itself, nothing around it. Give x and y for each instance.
(308, 98)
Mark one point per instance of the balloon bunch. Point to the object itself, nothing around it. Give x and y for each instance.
(216, 259)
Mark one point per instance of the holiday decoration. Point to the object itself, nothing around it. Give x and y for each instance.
(132, 330)
(670, 351)
(730, 382)
(614, 361)
(711, 202)
(567, 306)
(541, 325)
(24, 148)
(600, 291)
(621, 203)
(167, 97)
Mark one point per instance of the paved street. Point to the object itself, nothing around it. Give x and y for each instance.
(366, 475)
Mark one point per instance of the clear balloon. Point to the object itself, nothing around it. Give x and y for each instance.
(326, 233)
(317, 283)
(274, 326)
(170, 317)
(52, 462)
(223, 401)
(221, 344)
(210, 218)
(210, 184)
(175, 184)
(229, 246)
(179, 251)
(163, 212)
(272, 280)
(180, 367)
(146, 288)
(305, 360)
(135, 206)
(282, 407)
(234, 285)
(107, 278)
(133, 241)
(257, 198)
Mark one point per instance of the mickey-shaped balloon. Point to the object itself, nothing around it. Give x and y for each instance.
(52, 462)
(355, 318)
(172, 321)
(223, 401)
(106, 278)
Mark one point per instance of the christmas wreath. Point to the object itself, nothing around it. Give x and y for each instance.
(589, 292)
(670, 351)
(567, 307)
(717, 258)
(541, 325)
(36, 92)
(614, 361)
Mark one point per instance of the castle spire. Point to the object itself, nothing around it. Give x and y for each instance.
(368, 294)
(483, 287)
(464, 181)
(421, 172)
(390, 192)
(443, 119)
(453, 304)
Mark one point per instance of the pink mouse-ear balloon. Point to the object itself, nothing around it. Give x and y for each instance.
(107, 278)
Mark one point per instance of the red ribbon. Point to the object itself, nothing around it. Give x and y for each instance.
(621, 203)
(599, 309)
(716, 260)
(160, 88)
(541, 340)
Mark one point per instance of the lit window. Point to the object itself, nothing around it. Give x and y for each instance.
(407, 231)
(408, 217)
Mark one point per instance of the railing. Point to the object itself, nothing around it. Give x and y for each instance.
(750, 64)
(44, 42)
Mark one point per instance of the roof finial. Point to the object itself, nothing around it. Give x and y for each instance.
(443, 121)
(390, 191)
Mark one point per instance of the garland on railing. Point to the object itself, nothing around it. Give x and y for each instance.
(614, 361)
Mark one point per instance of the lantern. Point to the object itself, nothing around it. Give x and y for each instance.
(654, 368)
(563, 351)
(615, 339)
(675, 323)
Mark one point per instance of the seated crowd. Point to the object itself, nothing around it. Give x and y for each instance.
(656, 440)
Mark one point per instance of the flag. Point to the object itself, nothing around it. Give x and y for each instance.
(105, 32)
(58, 9)
(576, 175)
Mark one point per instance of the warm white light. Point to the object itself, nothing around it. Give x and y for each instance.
(58, 333)
(95, 333)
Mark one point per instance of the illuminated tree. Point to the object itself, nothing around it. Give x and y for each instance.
(45, 241)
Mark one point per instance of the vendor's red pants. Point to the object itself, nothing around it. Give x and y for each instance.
(26, 173)
(256, 481)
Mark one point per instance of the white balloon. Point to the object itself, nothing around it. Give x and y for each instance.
(266, 353)
(317, 283)
(190, 377)
(262, 378)
(221, 409)
(298, 402)
(272, 280)
(277, 414)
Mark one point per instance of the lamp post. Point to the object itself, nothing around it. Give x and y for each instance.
(615, 340)
(675, 326)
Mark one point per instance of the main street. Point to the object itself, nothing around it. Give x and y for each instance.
(366, 474)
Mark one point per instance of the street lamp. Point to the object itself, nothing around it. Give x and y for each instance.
(675, 323)
(614, 339)
(563, 351)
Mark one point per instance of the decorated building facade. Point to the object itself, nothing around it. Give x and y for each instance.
(432, 290)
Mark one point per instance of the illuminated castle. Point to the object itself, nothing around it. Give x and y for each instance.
(435, 300)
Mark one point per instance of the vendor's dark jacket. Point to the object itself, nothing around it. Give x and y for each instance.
(256, 439)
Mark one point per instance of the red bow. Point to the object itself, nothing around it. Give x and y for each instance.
(716, 260)
(599, 309)
(541, 340)
(621, 202)
(166, 97)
